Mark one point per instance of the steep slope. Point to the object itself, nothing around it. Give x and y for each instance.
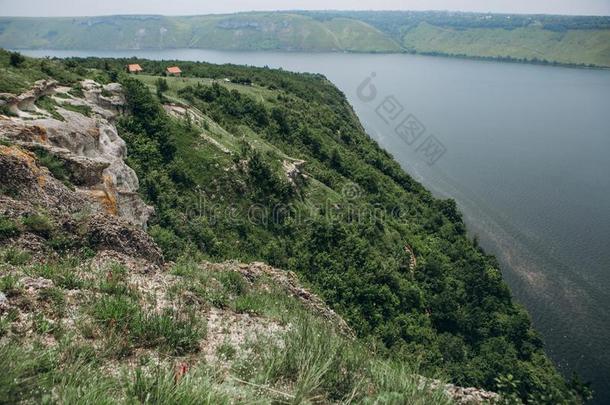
(91, 313)
(264, 165)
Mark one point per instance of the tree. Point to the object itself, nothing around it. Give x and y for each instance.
(162, 85)
(16, 59)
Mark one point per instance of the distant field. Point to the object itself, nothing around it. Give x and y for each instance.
(581, 41)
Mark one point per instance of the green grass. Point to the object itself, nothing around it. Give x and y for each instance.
(49, 105)
(56, 166)
(313, 364)
(9, 228)
(321, 366)
(8, 284)
(61, 272)
(81, 109)
(15, 256)
(40, 224)
(173, 331)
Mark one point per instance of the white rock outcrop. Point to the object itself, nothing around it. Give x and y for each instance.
(89, 146)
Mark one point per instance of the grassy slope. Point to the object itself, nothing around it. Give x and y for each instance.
(571, 47)
(96, 331)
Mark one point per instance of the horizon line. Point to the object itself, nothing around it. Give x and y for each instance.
(288, 11)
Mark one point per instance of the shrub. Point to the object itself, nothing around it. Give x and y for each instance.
(16, 257)
(39, 224)
(8, 228)
(16, 59)
(8, 285)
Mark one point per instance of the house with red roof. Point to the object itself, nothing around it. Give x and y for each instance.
(173, 70)
(134, 68)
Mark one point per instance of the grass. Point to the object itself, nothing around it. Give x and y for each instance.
(81, 109)
(56, 166)
(9, 228)
(8, 285)
(15, 256)
(173, 331)
(48, 104)
(62, 272)
(320, 366)
(160, 387)
(40, 224)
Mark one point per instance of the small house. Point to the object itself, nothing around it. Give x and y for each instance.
(134, 68)
(173, 71)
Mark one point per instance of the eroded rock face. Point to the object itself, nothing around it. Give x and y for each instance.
(25, 101)
(90, 147)
(28, 189)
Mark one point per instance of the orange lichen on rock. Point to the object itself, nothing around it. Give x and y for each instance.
(39, 133)
(107, 196)
(28, 158)
(94, 132)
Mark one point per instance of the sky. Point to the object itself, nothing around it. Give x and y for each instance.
(189, 7)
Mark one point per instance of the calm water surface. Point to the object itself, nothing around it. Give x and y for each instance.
(526, 158)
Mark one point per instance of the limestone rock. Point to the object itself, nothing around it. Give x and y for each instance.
(29, 189)
(90, 147)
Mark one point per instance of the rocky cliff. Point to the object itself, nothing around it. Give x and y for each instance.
(75, 126)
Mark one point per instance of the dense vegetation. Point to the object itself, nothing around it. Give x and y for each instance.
(571, 40)
(343, 228)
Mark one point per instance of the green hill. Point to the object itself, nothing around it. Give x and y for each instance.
(525, 38)
(251, 31)
(527, 44)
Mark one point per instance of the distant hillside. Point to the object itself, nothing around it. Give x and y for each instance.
(252, 31)
(525, 38)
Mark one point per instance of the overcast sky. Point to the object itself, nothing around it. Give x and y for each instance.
(186, 7)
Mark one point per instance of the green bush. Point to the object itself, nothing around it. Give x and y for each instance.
(15, 256)
(16, 59)
(9, 228)
(39, 224)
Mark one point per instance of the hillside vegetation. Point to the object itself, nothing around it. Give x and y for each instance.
(255, 164)
(579, 41)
